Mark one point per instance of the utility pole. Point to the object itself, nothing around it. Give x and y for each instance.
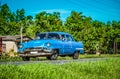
(21, 33)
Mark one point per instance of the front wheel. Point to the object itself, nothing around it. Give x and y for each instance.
(48, 57)
(26, 58)
(54, 55)
(76, 55)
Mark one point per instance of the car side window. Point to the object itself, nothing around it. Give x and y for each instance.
(53, 36)
(69, 38)
(63, 37)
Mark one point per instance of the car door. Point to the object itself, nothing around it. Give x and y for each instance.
(70, 42)
(67, 45)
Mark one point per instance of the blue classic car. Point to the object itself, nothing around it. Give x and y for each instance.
(51, 45)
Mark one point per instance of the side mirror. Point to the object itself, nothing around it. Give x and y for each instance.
(63, 39)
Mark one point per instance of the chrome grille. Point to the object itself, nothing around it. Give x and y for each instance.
(36, 49)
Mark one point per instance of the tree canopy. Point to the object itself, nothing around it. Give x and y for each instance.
(96, 35)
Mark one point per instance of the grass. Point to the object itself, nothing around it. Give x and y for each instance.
(84, 56)
(99, 56)
(81, 56)
(103, 69)
(10, 59)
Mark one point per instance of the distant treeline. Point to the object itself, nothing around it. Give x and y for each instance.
(96, 36)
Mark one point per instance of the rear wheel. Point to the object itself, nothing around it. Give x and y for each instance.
(76, 55)
(26, 58)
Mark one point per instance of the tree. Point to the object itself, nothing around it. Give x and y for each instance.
(4, 19)
(74, 22)
(45, 20)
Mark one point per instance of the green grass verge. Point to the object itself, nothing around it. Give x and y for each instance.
(99, 56)
(104, 69)
(81, 56)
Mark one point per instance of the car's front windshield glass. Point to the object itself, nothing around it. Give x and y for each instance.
(48, 36)
(41, 36)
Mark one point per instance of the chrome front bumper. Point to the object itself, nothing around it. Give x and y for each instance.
(35, 53)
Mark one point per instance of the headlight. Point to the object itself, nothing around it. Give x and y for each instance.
(48, 44)
(20, 46)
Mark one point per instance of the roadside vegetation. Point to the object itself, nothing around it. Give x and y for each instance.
(103, 69)
(81, 56)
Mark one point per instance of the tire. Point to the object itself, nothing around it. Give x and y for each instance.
(76, 55)
(26, 58)
(48, 57)
(54, 55)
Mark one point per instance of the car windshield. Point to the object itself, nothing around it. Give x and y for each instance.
(48, 36)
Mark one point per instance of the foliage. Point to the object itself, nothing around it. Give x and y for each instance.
(104, 69)
(96, 36)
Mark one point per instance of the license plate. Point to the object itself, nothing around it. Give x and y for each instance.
(34, 52)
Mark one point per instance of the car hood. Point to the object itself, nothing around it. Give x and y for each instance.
(38, 43)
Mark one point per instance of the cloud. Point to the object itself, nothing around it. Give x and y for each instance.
(62, 11)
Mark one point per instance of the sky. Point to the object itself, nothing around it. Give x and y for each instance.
(101, 10)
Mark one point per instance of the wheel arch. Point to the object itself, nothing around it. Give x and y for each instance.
(76, 51)
(57, 50)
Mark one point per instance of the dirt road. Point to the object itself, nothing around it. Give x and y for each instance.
(55, 61)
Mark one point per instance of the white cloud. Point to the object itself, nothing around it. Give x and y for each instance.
(62, 11)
